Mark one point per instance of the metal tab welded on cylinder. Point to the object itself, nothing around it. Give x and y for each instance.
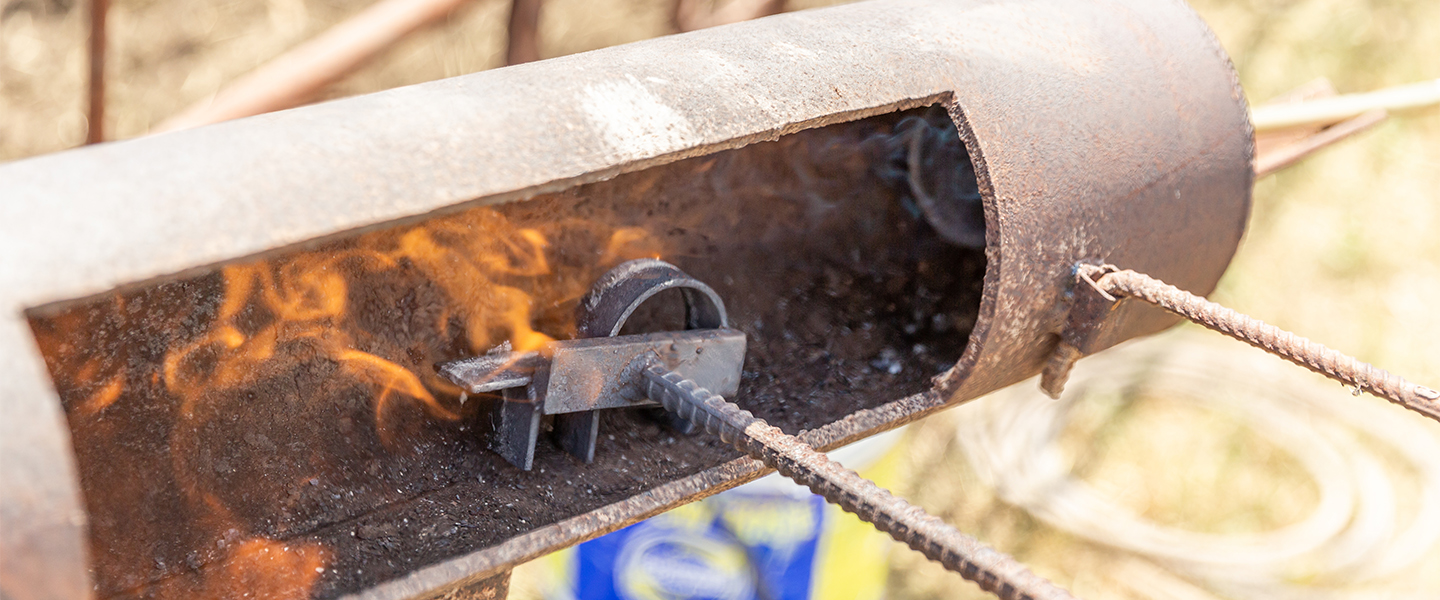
(1098, 132)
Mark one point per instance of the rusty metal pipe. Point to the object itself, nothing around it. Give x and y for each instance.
(1108, 132)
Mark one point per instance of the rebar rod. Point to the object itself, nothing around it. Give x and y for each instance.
(96, 85)
(1301, 351)
(523, 42)
(992, 570)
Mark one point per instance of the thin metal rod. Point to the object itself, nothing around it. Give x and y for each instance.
(1284, 156)
(1291, 347)
(690, 15)
(1323, 111)
(992, 570)
(295, 77)
(95, 132)
(524, 32)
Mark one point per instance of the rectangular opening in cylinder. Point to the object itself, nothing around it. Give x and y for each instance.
(277, 427)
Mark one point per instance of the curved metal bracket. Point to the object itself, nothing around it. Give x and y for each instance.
(603, 312)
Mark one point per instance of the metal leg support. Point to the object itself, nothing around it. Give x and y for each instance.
(517, 428)
(575, 432)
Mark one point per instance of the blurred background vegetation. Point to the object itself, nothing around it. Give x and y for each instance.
(1343, 248)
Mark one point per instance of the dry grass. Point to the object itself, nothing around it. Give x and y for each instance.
(1342, 248)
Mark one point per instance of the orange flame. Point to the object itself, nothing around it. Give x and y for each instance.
(629, 243)
(265, 568)
(393, 380)
(479, 260)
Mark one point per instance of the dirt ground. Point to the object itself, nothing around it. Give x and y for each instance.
(1341, 248)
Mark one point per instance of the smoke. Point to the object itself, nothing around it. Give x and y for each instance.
(923, 158)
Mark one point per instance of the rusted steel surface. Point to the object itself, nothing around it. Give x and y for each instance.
(993, 571)
(1303, 352)
(523, 548)
(1112, 132)
(498, 369)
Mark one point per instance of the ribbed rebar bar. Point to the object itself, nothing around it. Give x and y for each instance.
(1301, 351)
(992, 570)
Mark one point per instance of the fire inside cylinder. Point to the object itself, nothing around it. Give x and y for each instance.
(277, 425)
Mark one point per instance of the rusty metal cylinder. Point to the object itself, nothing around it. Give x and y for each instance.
(1104, 131)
